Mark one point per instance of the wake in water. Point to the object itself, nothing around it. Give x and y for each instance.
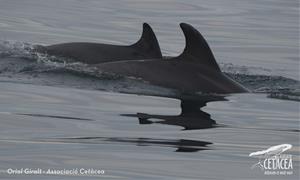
(20, 63)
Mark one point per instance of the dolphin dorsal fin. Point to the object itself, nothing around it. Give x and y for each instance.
(148, 42)
(197, 48)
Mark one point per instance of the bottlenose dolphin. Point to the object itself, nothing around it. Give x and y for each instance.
(146, 47)
(195, 70)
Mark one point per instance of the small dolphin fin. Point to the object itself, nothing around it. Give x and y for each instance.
(197, 48)
(148, 42)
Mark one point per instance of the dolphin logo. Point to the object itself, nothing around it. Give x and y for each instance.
(272, 151)
(268, 153)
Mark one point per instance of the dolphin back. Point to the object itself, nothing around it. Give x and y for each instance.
(196, 48)
(146, 47)
(148, 43)
(198, 53)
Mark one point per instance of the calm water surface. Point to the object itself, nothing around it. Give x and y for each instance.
(147, 137)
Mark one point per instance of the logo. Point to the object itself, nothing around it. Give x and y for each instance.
(272, 160)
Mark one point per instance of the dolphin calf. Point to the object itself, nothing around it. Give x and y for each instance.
(195, 70)
(146, 47)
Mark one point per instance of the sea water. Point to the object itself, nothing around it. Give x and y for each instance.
(65, 121)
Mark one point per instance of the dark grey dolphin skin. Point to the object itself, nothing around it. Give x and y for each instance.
(146, 47)
(195, 70)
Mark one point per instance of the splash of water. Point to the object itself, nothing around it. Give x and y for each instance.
(20, 62)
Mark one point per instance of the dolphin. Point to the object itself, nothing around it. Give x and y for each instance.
(146, 47)
(195, 70)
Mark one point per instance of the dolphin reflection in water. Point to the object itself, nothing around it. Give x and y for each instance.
(181, 145)
(191, 116)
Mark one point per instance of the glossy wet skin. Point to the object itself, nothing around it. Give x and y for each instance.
(146, 47)
(195, 70)
(179, 75)
(92, 53)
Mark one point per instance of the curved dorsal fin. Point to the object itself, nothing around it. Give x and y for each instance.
(148, 41)
(196, 48)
